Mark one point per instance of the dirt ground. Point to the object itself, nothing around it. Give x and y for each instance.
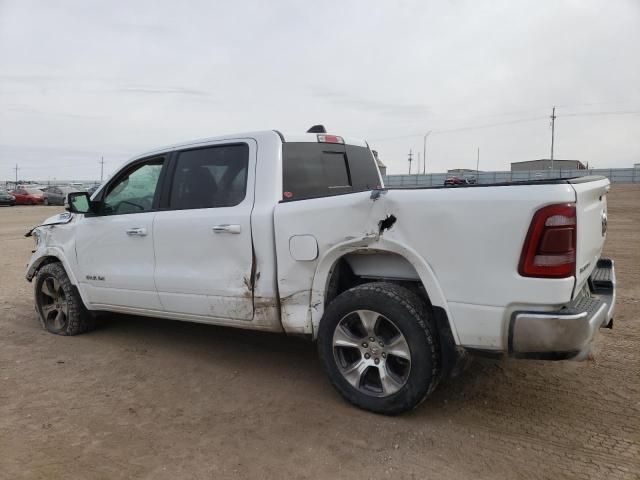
(149, 398)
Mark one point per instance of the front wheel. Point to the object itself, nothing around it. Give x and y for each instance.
(58, 304)
(377, 345)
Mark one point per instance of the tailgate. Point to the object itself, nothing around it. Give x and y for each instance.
(591, 211)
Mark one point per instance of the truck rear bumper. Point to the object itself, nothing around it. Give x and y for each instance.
(568, 332)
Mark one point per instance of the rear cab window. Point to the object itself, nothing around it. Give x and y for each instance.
(312, 170)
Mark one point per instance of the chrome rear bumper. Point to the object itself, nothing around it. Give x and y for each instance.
(568, 332)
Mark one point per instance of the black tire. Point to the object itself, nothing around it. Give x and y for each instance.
(58, 304)
(409, 314)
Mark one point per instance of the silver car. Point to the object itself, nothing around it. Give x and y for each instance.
(58, 195)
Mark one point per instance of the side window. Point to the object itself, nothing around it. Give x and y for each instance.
(363, 168)
(210, 177)
(134, 191)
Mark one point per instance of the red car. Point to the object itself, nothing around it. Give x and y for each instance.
(455, 181)
(28, 196)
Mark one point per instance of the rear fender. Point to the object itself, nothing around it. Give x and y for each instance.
(381, 244)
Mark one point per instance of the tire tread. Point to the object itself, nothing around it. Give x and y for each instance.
(418, 310)
(79, 319)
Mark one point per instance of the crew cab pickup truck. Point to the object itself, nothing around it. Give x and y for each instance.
(297, 234)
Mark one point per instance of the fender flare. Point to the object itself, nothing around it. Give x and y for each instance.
(328, 261)
(51, 252)
(58, 254)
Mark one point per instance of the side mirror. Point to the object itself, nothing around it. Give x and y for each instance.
(78, 202)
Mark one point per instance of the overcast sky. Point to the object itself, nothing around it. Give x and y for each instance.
(81, 79)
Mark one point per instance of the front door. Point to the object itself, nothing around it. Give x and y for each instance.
(115, 247)
(202, 237)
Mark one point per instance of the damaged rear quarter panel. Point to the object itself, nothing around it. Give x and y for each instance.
(341, 224)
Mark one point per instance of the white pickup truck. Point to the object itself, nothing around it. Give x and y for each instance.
(297, 234)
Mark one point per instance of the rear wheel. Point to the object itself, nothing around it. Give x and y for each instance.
(58, 304)
(46, 201)
(377, 346)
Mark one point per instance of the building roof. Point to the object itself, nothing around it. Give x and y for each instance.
(547, 161)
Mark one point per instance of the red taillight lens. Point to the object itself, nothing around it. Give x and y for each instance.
(550, 247)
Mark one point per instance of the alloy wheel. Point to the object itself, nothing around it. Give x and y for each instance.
(371, 353)
(53, 304)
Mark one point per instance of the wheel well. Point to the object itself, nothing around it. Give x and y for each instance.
(368, 266)
(45, 261)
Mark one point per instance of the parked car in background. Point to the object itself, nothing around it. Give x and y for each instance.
(6, 198)
(471, 180)
(92, 190)
(455, 181)
(28, 196)
(58, 195)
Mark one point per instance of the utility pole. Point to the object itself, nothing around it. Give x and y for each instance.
(553, 129)
(16, 169)
(478, 164)
(410, 160)
(418, 166)
(101, 168)
(424, 153)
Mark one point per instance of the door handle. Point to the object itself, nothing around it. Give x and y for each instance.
(136, 232)
(226, 228)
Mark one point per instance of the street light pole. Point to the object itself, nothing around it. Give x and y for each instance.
(424, 153)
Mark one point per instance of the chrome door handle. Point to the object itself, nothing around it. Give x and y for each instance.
(137, 232)
(226, 228)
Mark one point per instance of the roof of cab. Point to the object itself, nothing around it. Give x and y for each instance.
(295, 137)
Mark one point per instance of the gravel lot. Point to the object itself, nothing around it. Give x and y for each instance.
(149, 398)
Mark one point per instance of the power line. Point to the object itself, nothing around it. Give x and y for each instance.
(594, 114)
(451, 130)
(509, 122)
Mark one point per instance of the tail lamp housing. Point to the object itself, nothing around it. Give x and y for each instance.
(549, 249)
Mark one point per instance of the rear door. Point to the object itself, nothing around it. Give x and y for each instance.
(202, 235)
(591, 212)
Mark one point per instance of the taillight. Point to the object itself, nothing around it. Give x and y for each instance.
(550, 247)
